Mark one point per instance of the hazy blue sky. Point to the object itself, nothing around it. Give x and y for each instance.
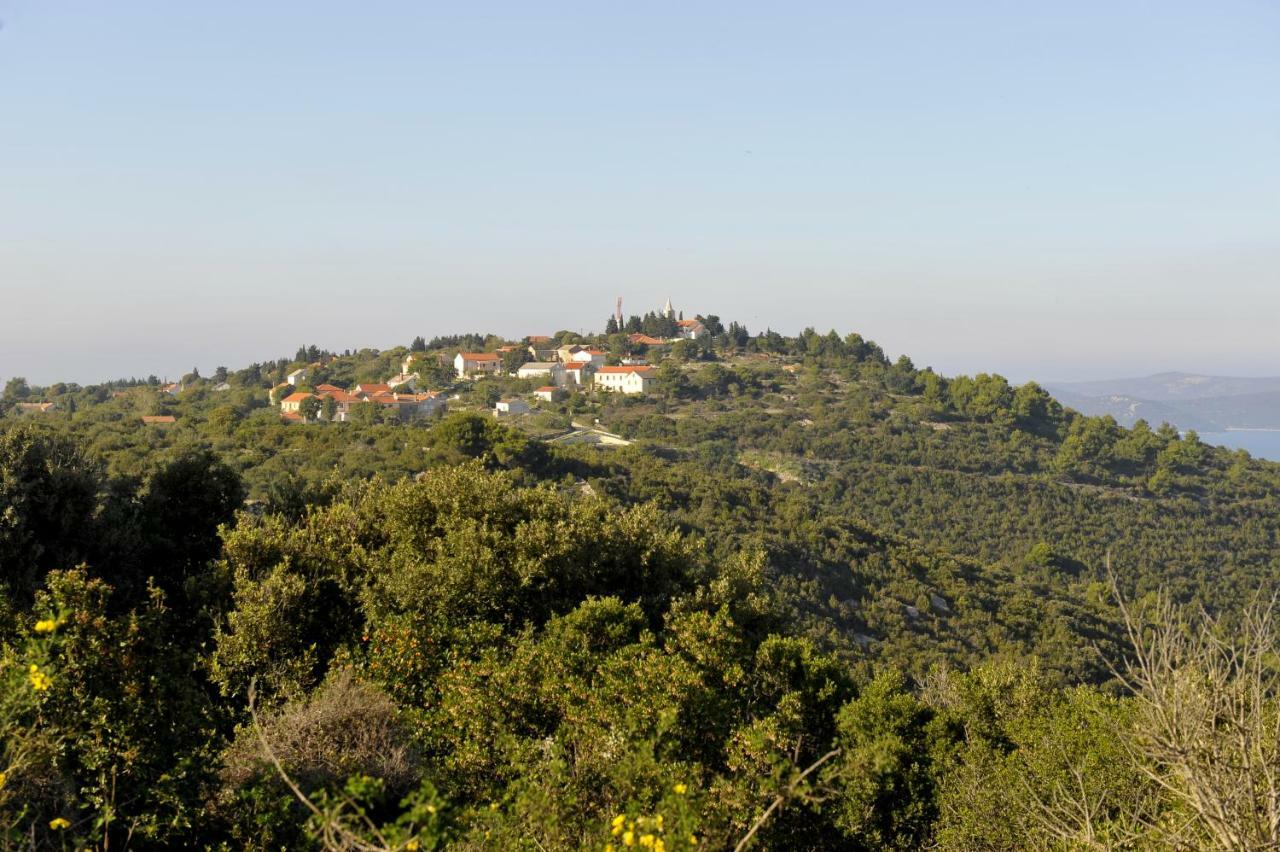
(1058, 190)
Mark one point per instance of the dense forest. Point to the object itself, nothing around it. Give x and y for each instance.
(819, 599)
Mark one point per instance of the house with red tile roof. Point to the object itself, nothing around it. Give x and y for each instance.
(159, 419)
(472, 364)
(293, 402)
(549, 393)
(578, 373)
(691, 329)
(626, 379)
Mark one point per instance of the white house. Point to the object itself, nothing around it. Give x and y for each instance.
(594, 357)
(510, 407)
(577, 373)
(550, 393)
(293, 402)
(565, 354)
(691, 329)
(628, 380)
(297, 376)
(536, 369)
(470, 364)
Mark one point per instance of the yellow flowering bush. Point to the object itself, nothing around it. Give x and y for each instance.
(673, 826)
(25, 678)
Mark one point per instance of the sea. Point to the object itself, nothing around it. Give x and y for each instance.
(1261, 443)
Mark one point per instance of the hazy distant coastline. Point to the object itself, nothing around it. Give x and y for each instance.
(1231, 411)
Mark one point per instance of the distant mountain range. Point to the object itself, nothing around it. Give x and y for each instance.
(1187, 400)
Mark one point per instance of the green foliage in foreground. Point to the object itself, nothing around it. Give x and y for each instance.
(464, 661)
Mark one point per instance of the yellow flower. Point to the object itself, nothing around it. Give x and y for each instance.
(608, 847)
(658, 820)
(58, 824)
(3, 779)
(659, 846)
(646, 840)
(46, 625)
(629, 838)
(680, 789)
(412, 845)
(39, 680)
(693, 840)
(617, 824)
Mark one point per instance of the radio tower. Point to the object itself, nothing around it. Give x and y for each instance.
(617, 313)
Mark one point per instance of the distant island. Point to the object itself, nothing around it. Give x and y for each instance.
(1186, 400)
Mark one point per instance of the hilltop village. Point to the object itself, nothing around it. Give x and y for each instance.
(563, 365)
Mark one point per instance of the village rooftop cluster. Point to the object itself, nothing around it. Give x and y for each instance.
(564, 369)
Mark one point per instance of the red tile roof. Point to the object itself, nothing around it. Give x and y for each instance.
(479, 356)
(297, 396)
(551, 388)
(328, 387)
(539, 338)
(373, 387)
(642, 370)
(646, 340)
(159, 418)
(688, 323)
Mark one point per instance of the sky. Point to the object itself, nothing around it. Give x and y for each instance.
(1044, 190)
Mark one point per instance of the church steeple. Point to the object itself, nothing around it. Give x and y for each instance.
(668, 310)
